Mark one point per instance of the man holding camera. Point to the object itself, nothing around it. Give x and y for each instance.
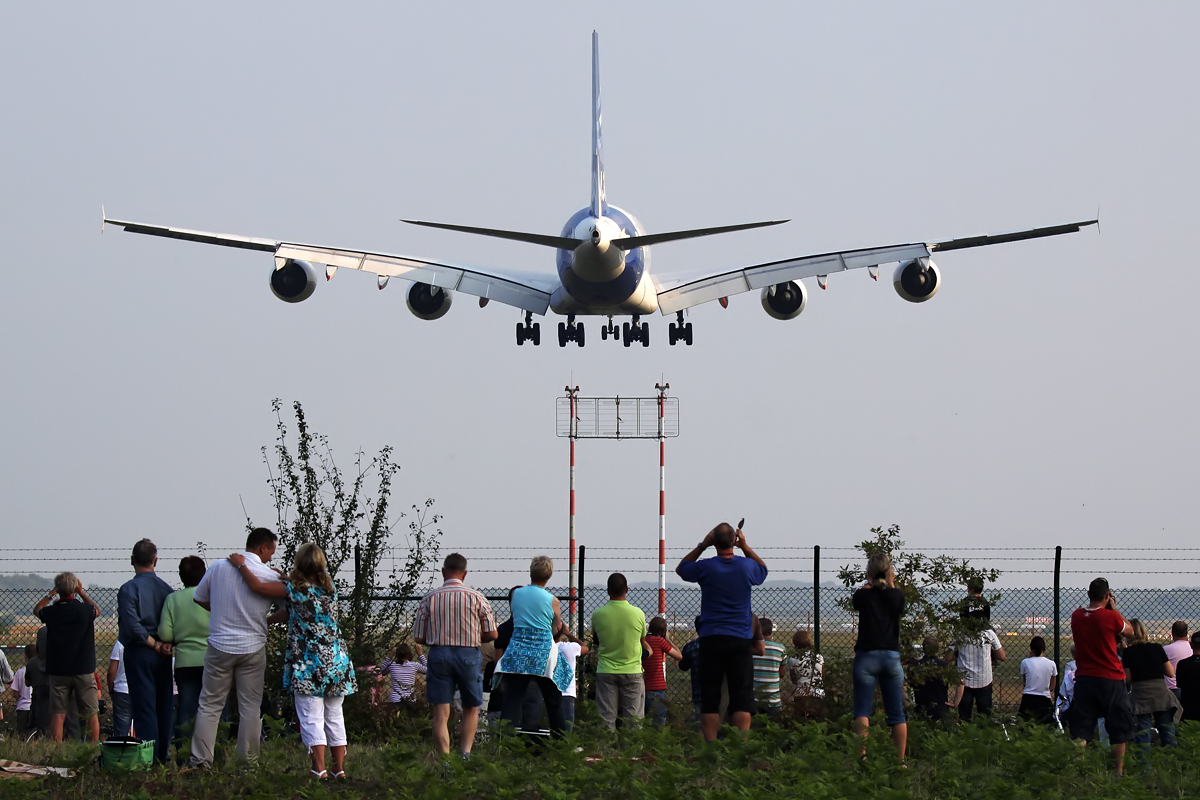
(1099, 676)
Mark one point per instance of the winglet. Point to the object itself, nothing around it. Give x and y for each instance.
(598, 204)
(103, 218)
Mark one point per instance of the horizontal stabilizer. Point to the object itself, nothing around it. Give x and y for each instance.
(674, 236)
(560, 242)
(1015, 236)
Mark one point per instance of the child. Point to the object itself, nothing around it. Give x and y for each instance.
(24, 697)
(654, 669)
(403, 672)
(1040, 673)
(768, 672)
(806, 669)
(570, 648)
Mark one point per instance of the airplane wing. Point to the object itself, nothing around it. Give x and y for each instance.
(527, 291)
(677, 295)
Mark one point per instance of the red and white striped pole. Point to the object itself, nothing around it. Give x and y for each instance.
(571, 525)
(662, 500)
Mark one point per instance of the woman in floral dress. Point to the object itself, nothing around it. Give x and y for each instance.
(317, 668)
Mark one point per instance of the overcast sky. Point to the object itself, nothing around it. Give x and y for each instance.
(1045, 396)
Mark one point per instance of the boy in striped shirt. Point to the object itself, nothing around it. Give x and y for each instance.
(654, 670)
(768, 671)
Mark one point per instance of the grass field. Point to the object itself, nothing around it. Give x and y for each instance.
(811, 760)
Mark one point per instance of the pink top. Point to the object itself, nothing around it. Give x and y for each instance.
(1176, 652)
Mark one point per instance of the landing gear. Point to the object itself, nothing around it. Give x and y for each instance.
(636, 331)
(610, 330)
(570, 331)
(679, 331)
(529, 331)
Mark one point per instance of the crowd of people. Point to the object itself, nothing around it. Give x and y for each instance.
(184, 659)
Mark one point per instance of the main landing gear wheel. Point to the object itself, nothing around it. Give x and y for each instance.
(680, 332)
(529, 331)
(570, 331)
(625, 337)
(636, 331)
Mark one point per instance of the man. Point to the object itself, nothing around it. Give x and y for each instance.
(237, 648)
(975, 605)
(927, 677)
(768, 672)
(620, 631)
(1187, 677)
(726, 625)
(1177, 650)
(146, 659)
(1099, 675)
(978, 647)
(70, 654)
(454, 621)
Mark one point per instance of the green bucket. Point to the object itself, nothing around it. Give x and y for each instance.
(126, 754)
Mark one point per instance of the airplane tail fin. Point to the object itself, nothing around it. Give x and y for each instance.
(598, 204)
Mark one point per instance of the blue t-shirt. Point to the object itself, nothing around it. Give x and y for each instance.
(724, 593)
(532, 607)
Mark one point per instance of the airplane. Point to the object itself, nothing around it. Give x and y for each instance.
(603, 267)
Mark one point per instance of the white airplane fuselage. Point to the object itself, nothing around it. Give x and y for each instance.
(598, 277)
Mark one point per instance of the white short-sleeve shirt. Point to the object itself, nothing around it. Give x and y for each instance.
(120, 683)
(238, 623)
(1037, 672)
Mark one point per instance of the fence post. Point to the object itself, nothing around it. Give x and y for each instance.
(816, 598)
(1057, 614)
(579, 612)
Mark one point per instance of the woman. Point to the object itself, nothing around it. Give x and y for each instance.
(316, 668)
(185, 626)
(1146, 664)
(877, 652)
(531, 654)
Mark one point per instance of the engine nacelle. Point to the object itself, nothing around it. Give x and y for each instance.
(428, 302)
(785, 300)
(917, 280)
(294, 281)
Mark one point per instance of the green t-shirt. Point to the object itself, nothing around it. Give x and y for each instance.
(620, 628)
(185, 624)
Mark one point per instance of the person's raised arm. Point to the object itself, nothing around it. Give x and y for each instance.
(740, 542)
(45, 601)
(557, 624)
(84, 596)
(1111, 605)
(273, 589)
(675, 653)
(697, 551)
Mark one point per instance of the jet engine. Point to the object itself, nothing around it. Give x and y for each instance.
(785, 300)
(428, 302)
(917, 280)
(294, 281)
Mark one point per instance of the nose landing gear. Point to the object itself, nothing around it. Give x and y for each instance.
(570, 331)
(529, 331)
(679, 331)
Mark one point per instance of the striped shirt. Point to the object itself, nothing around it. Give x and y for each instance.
(654, 668)
(975, 658)
(453, 615)
(766, 674)
(404, 677)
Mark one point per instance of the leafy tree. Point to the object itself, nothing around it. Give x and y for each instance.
(934, 596)
(349, 520)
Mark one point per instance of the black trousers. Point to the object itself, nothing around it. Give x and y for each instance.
(981, 698)
(515, 688)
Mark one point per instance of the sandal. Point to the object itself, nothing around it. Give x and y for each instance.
(339, 775)
(319, 775)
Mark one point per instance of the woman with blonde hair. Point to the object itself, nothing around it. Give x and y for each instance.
(877, 652)
(531, 655)
(316, 668)
(1146, 664)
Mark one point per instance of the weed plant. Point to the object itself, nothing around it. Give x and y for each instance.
(811, 760)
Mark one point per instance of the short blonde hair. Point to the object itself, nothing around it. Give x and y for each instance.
(541, 568)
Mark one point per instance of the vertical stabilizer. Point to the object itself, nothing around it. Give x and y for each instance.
(598, 206)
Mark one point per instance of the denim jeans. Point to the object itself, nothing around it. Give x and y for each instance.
(882, 667)
(656, 706)
(188, 680)
(568, 709)
(152, 695)
(122, 714)
(1163, 720)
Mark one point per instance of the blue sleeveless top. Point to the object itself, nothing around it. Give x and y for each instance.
(532, 607)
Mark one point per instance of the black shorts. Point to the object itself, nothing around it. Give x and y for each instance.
(726, 658)
(1101, 697)
(1037, 708)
